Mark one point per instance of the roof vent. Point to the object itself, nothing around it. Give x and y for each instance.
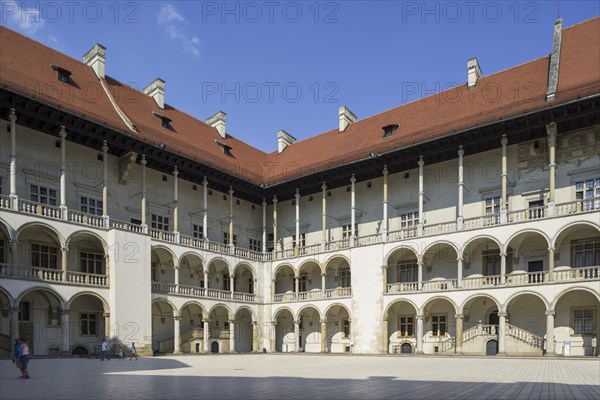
(346, 118)
(284, 140)
(226, 148)
(389, 130)
(217, 121)
(95, 58)
(156, 90)
(473, 71)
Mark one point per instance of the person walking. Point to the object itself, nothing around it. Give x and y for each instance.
(16, 355)
(133, 352)
(104, 351)
(24, 357)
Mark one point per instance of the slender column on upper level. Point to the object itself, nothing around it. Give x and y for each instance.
(503, 199)
(175, 201)
(551, 264)
(419, 274)
(205, 272)
(205, 207)
(232, 283)
(296, 283)
(275, 242)
(323, 281)
(551, 129)
(64, 251)
(461, 188)
(459, 270)
(264, 225)
(384, 229)
(105, 180)
(324, 215)
(353, 209)
(297, 220)
(12, 117)
(176, 268)
(143, 163)
(63, 172)
(503, 267)
(421, 194)
(230, 216)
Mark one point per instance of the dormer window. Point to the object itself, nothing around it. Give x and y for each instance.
(389, 130)
(61, 73)
(226, 148)
(165, 121)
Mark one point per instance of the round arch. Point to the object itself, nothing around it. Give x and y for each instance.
(281, 266)
(11, 301)
(306, 262)
(474, 296)
(570, 225)
(479, 237)
(7, 229)
(85, 232)
(58, 236)
(306, 307)
(25, 292)
(333, 257)
(572, 289)
(169, 302)
(221, 259)
(504, 248)
(437, 243)
(432, 299)
(245, 264)
(168, 250)
(192, 254)
(193, 303)
(513, 296)
(213, 308)
(401, 247)
(329, 307)
(280, 309)
(393, 303)
(250, 311)
(90, 293)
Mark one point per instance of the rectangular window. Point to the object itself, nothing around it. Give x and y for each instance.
(159, 222)
(43, 256)
(153, 272)
(346, 231)
(583, 322)
(24, 311)
(302, 281)
(198, 231)
(91, 263)
(408, 272)
(346, 327)
(585, 252)
(88, 324)
(2, 251)
(302, 240)
(226, 238)
(409, 220)
(43, 195)
(254, 245)
(438, 325)
(226, 282)
(588, 192)
(90, 206)
(345, 278)
(135, 221)
(405, 326)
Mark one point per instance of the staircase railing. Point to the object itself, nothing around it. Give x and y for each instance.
(525, 336)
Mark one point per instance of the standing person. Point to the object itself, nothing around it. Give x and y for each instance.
(16, 355)
(104, 351)
(24, 357)
(133, 352)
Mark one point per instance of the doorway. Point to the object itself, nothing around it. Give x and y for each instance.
(535, 266)
(214, 347)
(491, 348)
(493, 318)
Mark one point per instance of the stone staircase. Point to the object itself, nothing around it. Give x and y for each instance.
(525, 336)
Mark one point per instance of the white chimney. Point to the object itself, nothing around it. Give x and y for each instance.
(473, 71)
(95, 58)
(217, 121)
(156, 90)
(346, 118)
(284, 140)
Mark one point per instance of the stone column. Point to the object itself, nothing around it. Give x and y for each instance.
(324, 214)
(176, 335)
(273, 336)
(232, 335)
(461, 188)
(503, 199)
(254, 336)
(205, 334)
(144, 221)
(323, 336)
(105, 181)
(205, 272)
(503, 267)
(296, 283)
(264, 225)
(385, 335)
(230, 216)
(459, 271)
(205, 207)
(385, 222)
(63, 262)
(420, 274)
(352, 209)
(14, 324)
(232, 283)
(550, 349)
(175, 203)
(106, 317)
(64, 332)
(176, 268)
(297, 336)
(420, 334)
(275, 242)
(384, 271)
(502, 333)
(63, 173)
(14, 198)
(551, 130)
(297, 221)
(273, 284)
(551, 264)
(323, 281)
(421, 194)
(459, 333)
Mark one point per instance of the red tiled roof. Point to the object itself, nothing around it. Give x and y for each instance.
(25, 68)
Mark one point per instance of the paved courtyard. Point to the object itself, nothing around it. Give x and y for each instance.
(304, 377)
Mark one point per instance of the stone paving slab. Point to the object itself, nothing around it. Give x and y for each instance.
(255, 376)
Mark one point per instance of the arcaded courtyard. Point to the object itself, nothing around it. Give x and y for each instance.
(304, 377)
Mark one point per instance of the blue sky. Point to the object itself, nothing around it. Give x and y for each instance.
(274, 65)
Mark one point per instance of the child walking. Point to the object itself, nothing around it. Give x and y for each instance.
(133, 352)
